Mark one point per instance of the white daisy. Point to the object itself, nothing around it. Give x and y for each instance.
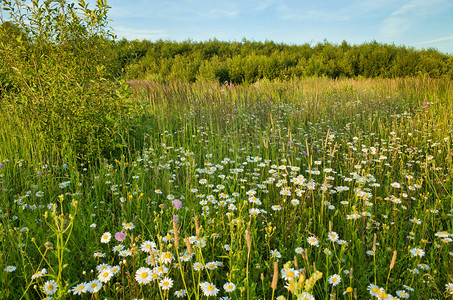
(39, 274)
(166, 257)
(10, 269)
(180, 293)
(198, 266)
(80, 288)
(105, 275)
(166, 283)
(289, 274)
(209, 289)
(94, 286)
(333, 236)
(115, 269)
(229, 287)
(417, 252)
(106, 237)
(313, 241)
(143, 275)
(334, 279)
(128, 226)
(147, 246)
(50, 287)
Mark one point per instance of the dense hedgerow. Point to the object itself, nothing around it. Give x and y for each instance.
(249, 61)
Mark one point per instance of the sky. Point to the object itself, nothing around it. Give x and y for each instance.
(413, 23)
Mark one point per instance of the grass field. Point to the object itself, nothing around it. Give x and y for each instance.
(309, 189)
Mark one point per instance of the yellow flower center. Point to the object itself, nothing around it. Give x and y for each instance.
(167, 255)
(383, 295)
(50, 287)
(375, 290)
(80, 287)
(144, 275)
(210, 287)
(290, 274)
(106, 274)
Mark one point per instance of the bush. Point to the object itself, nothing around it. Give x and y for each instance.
(60, 75)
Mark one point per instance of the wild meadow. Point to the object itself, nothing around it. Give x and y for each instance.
(246, 180)
(307, 189)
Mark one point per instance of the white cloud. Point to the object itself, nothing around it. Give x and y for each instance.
(139, 34)
(413, 12)
(438, 40)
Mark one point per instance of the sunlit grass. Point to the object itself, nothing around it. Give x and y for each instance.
(314, 188)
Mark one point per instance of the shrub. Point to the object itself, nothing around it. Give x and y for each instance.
(59, 73)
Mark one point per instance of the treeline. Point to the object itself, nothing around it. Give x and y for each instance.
(249, 61)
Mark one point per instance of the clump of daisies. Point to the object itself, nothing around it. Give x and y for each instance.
(297, 283)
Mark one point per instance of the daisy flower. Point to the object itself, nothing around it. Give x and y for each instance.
(105, 275)
(10, 269)
(166, 283)
(102, 267)
(402, 294)
(106, 237)
(147, 246)
(333, 236)
(334, 279)
(395, 185)
(128, 226)
(143, 275)
(180, 293)
(50, 287)
(39, 274)
(299, 250)
(209, 289)
(80, 288)
(166, 257)
(160, 270)
(198, 266)
(417, 252)
(313, 241)
(115, 269)
(118, 248)
(276, 207)
(254, 211)
(275, 254)
(211, 265)
(229, 287)
(373, 289)
(99, 254)
(94, 286)
(289, 274)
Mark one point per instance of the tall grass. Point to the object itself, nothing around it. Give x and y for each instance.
(314, 188)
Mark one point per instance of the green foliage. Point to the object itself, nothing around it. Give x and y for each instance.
(248, 62)
(56, 58)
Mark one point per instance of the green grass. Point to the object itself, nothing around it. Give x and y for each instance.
(369, 160)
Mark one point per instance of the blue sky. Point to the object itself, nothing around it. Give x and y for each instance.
(415, 23)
